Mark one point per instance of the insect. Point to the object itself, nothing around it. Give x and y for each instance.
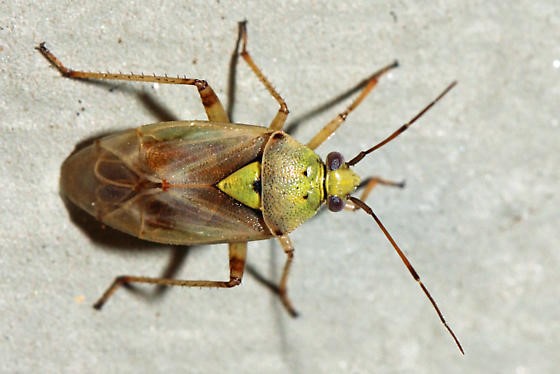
(203, 182)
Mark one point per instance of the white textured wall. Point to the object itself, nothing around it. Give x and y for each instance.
(479, 217)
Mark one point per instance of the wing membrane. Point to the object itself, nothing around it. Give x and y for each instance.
(157, 182)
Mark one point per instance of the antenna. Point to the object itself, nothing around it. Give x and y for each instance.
(360, 204)
(401, 129)
(408, 265)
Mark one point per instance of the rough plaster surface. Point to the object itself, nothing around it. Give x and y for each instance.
(479, 217)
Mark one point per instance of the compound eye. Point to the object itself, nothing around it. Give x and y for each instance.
(335, 203)
(334, 161)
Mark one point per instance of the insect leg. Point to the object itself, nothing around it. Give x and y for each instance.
(282, 287)
(368, 185)
(280, 118)
(212, 105)
(237, 257)
(335, 123)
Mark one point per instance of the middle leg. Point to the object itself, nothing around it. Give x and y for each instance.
(280, 118)
(283, 286)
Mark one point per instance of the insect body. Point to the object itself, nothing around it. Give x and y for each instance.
(203, 182)
(160, 183)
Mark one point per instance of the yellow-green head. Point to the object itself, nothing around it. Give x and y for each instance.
(340, 181)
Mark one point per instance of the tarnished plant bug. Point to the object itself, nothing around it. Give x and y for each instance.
(203, 182)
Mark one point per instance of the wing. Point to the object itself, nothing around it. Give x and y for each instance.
(157, 182)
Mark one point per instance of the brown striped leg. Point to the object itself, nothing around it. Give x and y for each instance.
(237, 256)
(212, 105)
(280, 118)
(283, 286)
(335, 123)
